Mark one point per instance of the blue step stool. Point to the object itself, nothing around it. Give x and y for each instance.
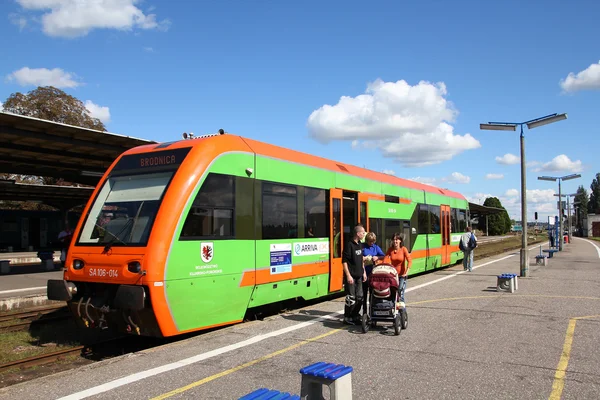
(507, 282)
(337, 377)
(266, 394)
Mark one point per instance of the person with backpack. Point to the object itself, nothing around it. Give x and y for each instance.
(467, 244)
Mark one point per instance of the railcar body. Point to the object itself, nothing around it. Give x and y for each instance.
(189, 235)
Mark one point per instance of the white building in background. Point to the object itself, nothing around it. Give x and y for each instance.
(591, 225)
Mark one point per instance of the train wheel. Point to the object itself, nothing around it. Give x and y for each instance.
(397, 324)
(365, 323)
(404, 318)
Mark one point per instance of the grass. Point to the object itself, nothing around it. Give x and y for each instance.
(513, 243)
(597, 239)
(41, 338)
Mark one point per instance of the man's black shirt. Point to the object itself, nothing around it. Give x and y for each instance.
(353, 256)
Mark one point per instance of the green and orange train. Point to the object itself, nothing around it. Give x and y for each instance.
(188, 235)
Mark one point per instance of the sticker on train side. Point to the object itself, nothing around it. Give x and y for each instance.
(103, 272)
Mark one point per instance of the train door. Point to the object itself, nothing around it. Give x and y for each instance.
(336, 237)
(345, 212)
(445, 233)
(363, 214)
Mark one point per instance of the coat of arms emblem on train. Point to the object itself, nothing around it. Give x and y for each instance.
(206, 251)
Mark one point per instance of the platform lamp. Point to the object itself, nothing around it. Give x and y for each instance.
(560, 211)
(512, 126)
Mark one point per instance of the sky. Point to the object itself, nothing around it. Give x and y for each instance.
(396, 87)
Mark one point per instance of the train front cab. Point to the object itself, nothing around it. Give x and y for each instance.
(117, 255)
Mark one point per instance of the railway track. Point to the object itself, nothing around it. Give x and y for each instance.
(21, 320)
(42, 359)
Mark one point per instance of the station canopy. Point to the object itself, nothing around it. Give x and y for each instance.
(32, 146)
(477, 210)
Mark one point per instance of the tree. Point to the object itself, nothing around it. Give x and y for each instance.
(52, 104)
(594, 204)
(498, 224)
(580, 202)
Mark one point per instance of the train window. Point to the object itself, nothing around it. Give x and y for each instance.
(337, 217)
(392, 199)
(434, 218)
(423, 218)
(376, 226)
(391, 226)
(454, 224)
(462, 220)
(212, 212)
(316, 215)
(281, 219)
(124, 210)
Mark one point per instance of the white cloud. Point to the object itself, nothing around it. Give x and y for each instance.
(425, 180)
(73, 18)
(96, 111)
(1, 106)
(44, 77)
(587, 79)
(456, 177)
(410, 124)
(508, 159)
(148, 49)
(561, 163)
(541, 195)
(389, 172)
(18, 20)
(494, 176)
(479, 198)
(511, 193)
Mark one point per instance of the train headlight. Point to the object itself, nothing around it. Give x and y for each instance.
(134, 267)
(78, 264)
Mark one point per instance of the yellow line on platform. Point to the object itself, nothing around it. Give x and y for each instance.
(561, 369)
(239, 367)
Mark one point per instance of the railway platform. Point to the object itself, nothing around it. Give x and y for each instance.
(25, 283)
(464, 340)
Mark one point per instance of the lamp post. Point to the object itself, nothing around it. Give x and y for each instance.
(570, 222)
(512, 126)
(560, 212)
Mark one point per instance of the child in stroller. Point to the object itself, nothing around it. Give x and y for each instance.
(384, 300)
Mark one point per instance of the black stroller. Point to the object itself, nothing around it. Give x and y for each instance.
(384, 300)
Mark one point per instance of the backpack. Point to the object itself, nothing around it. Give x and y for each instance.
(472, 242)
(460, 245)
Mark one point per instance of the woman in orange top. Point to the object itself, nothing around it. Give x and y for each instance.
(401, 260)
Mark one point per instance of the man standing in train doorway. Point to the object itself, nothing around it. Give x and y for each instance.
(354, 276)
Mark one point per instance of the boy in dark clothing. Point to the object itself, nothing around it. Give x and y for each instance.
(354, 275)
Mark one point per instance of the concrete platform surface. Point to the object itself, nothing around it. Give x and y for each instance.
(465, 340)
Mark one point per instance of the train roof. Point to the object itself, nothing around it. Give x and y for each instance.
(224, 142)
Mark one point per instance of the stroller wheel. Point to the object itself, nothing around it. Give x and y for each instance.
(404, 318)
(365, 323)
(397, 324)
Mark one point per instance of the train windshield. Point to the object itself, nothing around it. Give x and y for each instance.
(124, 211)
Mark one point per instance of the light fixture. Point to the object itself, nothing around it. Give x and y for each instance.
(573, 176)
(546, 120)
(498, 127)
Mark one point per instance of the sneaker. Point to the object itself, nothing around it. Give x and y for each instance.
(348, 321)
